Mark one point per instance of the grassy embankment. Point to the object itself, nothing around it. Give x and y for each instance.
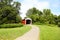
(12, 33)
(49, 32)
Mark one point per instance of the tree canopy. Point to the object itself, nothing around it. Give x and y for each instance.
(8, 12)
(45, 16)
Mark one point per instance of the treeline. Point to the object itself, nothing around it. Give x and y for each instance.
(9, 12)
(45, 16)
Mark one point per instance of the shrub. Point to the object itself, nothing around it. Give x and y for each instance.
(10, 25)
(38, 23)
(58, 24)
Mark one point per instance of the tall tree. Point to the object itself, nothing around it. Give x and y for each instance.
(47, 15)
(17, 5)
(34, 14)
(9, 13)
(59, 18)
(6, 2)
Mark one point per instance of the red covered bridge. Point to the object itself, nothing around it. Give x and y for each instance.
(27, 21)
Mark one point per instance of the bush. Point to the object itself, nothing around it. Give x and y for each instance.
(10, 25)
(58, 24)
(38, 23)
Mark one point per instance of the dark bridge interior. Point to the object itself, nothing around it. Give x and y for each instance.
(28, 21)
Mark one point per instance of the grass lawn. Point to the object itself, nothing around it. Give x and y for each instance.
(48, 32)
(12, 33)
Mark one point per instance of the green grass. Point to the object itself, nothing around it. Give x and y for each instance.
(49, 32)
(12, 33)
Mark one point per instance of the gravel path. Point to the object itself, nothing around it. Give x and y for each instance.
(33, 34)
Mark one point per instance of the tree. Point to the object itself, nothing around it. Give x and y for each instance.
(48, 16)
(34, 14)
(43, 17)
(6, 2)
(17, 5)
(59, 18)
(56, 19)
(9, 13)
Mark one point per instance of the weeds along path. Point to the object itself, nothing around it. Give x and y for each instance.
(33, 34)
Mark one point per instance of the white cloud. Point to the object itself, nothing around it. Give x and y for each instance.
(27, 4)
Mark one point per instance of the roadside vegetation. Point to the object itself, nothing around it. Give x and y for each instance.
(11, 25)
(45, 16)
(13, 33)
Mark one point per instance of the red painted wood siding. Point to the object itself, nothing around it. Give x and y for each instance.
(23, 21)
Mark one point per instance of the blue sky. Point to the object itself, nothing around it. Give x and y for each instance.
(54, 5)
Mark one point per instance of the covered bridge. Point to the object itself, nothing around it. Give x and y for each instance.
(27, 21)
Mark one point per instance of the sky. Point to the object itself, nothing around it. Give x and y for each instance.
(54, 5)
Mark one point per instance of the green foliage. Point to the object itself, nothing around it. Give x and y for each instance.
(59, 18)
(34, 14)
(46, 12)
(58, 24)
(17, 5)
(38, 16)
(8, 12)
(48, 16)
(10, 25)
(6, 2)
(44, 16)
(18, 19)
(59, 21)
(37, 23)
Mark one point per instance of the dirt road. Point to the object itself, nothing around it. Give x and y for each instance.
(33, 34)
